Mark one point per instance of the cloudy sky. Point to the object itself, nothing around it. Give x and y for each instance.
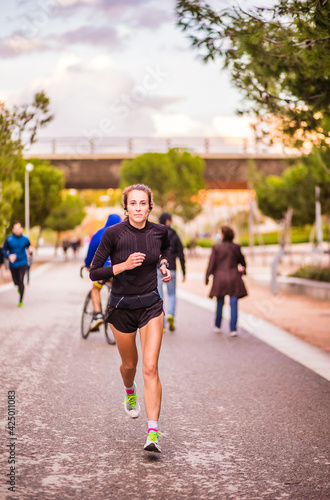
(118, 66)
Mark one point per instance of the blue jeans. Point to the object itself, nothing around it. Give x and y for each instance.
(171, 286)
(233, 312)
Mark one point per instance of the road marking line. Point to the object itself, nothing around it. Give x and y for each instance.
(307, 355)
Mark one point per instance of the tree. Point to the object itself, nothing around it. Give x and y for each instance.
(189, 180)
(152, 169)
(46, 184)
(18, 128)
(11, 161)
(9, 191)
(66, 216)
(25, 120)
(294, 190)
(278, 58)
(174, 178)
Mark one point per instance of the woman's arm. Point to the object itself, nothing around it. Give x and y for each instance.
(210, 267)
(241, 259)
(164, 256)
(98, 272)
(165, 246)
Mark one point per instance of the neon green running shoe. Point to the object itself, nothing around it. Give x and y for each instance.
(132, 407)
(152, 441)
(20, 304)
(170, 320)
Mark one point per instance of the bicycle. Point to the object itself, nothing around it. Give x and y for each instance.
(88, 311)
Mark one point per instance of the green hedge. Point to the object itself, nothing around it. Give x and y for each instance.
(298, 235)
(205, 243)
(313, 273)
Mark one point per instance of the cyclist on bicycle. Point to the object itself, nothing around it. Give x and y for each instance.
(97, 285)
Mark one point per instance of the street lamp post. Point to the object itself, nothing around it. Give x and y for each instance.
(28, 169)
(318, 217)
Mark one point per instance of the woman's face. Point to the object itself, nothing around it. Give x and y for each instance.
(137, 207)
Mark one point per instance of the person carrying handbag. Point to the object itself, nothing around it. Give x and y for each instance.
(225, 259)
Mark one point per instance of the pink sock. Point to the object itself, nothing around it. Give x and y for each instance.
(130, 390)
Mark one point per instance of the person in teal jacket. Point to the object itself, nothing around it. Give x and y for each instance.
(15, 250)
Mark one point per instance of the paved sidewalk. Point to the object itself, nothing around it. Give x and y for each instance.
(306, 318)
(240, 420)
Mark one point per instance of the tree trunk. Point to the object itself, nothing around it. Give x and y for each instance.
(57, 242)
(38, 238)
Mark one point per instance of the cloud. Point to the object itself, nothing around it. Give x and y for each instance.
(233, 126)
(159, 102)
(16, 45)
(180, 124)
(101, 36)
(122, 16)
(92, 35)
(111, 8)
(152, 18)
(93, 98)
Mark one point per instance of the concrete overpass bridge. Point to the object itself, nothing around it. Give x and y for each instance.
(95, 163)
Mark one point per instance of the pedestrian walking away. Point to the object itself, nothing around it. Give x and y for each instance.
(227, 265)
(176, 251)
(15, 250)
(75, 246)
(97, 285)
(65, 246)
(136, 248)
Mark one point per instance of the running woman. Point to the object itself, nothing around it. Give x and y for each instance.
(136, 248)
(15, 249)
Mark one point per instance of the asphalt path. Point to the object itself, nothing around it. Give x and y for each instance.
(239, 419)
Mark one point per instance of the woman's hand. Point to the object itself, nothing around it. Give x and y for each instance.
(166, 274)
(135, 260)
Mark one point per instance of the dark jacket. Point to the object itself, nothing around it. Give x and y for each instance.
(119, 242)
(227, 279)
(176, 250)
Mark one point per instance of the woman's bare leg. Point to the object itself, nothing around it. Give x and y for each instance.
(151, 339)
(128, 353)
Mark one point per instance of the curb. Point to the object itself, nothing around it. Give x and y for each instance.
(307, 355)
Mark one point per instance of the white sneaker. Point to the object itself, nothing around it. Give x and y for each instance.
(217, 329)
(132, 407)
(233, 333)
(152, 443)
(96, 322)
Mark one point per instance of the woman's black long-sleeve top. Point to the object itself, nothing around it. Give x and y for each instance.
(119, 242)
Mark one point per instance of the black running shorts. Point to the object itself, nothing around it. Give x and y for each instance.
(129, 320)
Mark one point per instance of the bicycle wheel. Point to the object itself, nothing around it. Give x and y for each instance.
(105, 295)
(87, 316)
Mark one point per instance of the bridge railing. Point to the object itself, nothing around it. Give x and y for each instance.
(137, 145)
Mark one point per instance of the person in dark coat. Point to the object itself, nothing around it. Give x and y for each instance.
(227, 278)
